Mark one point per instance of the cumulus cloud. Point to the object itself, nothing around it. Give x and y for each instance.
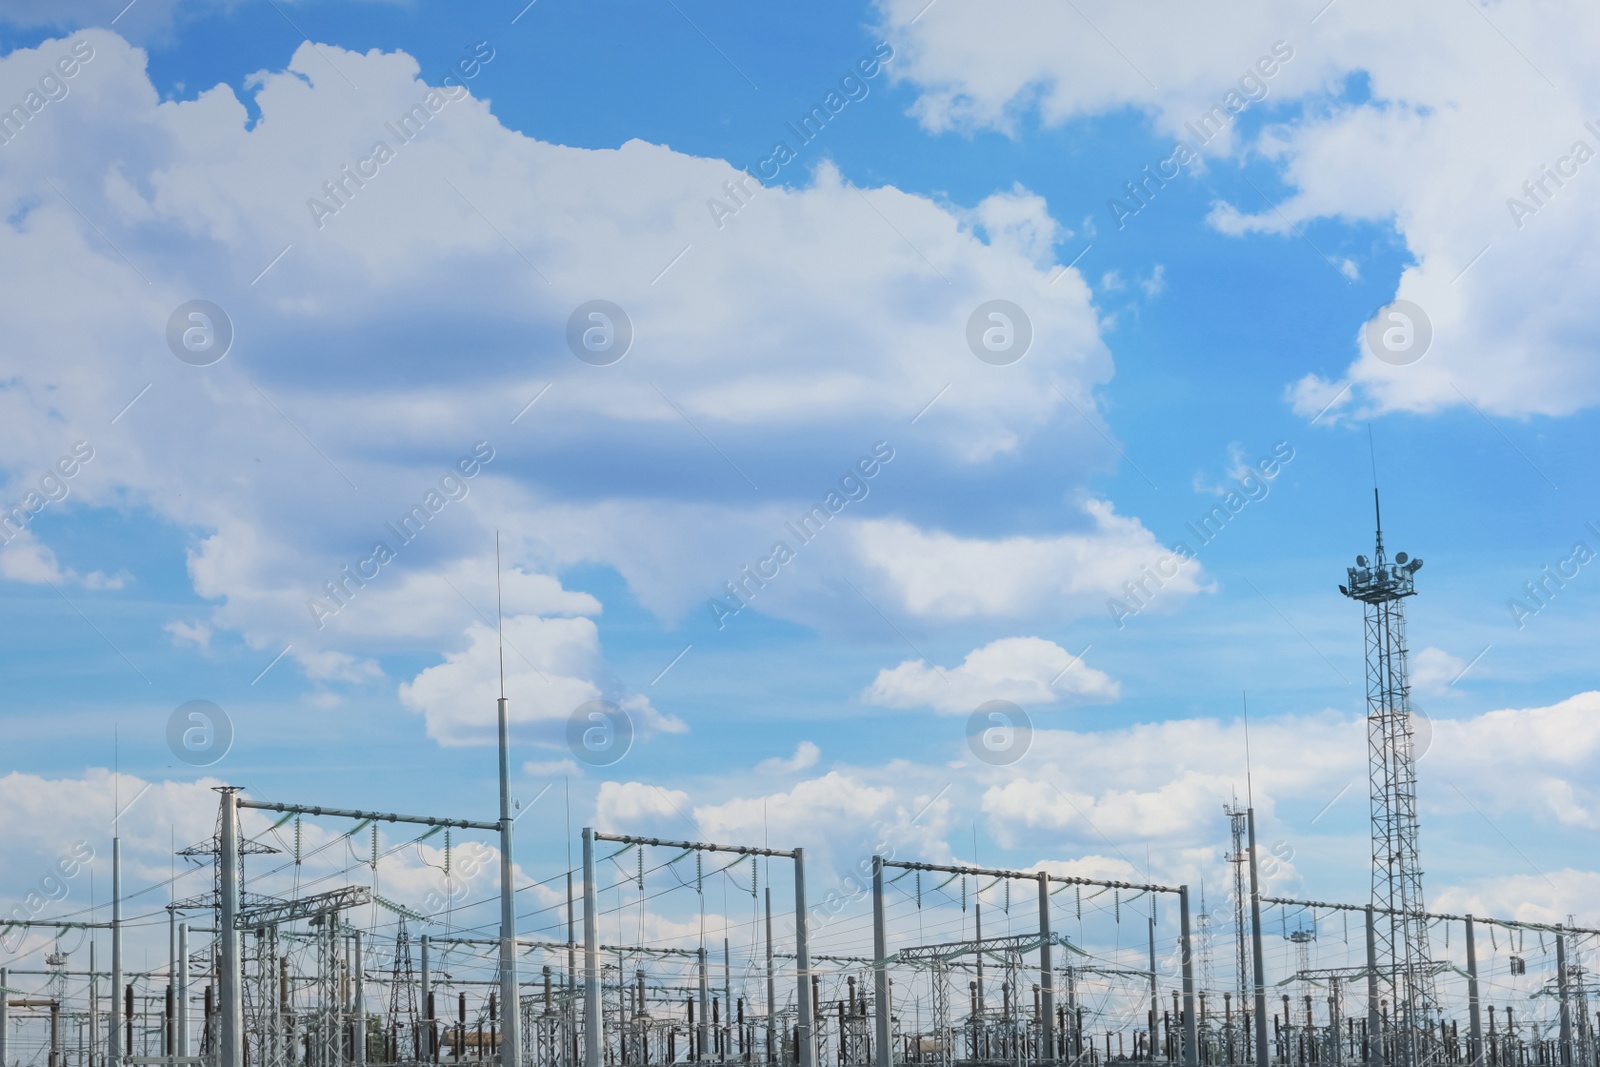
(548, 666)
(943, 576)
(1500, 264)
(307, 465)
(806, 754)
(1026, 670)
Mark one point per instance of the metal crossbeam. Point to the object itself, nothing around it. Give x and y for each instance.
(694, 846)
(1511, 924)
(375, 816)
(286, 911)
(1031, 876)
(948, 950)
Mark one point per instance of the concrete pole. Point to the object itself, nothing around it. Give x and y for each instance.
(358, 1005)
(1047, 979)
(114, 1038)
(592, 1049)
(802, 965)
(880, 967)
(1561, 988)
(424, 1044)
(183, 989)
(772, 990)
(705, 1006)
(1374, 1020)
(1474, 1018)
(510, 1004)
(230, 1052)
(1255, 942)
(1191, 1033)
(5, 1014)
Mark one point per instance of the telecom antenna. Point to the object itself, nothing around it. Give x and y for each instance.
(1404, 960)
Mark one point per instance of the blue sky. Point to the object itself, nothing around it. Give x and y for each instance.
(1172, 346)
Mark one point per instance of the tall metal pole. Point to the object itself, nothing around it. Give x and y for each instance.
(1374, 1020)
(358, 1005)
(880, 965)
(1561, 989)
(1255, 942)
(802, 965)
(94, 1012)
(1047, 979)
(591, 958)
(425, 1042)
(705, 1007)
(727, 997)
(1191, 1037)
(5, 1014)
(1474, 1019)
(114, 1038)
(772, 990)
(511, 1031)
(1155, 996)
(183, 989)
(230, 1052)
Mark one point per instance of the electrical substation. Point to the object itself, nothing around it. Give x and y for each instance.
(644, 951)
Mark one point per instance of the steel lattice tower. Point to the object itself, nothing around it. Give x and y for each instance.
(1404, 960)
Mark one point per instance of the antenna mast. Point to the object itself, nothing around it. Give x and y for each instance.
(1403, 955)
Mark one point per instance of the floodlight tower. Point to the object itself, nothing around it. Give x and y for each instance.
(1402, 942)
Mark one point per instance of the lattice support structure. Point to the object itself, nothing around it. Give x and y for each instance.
(1404, 958)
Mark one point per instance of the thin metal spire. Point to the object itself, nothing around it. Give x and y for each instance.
(499, 615)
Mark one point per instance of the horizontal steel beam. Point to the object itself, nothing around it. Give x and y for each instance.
(1508, 923)
(696, 846)
(1031, 876)
(375, 816)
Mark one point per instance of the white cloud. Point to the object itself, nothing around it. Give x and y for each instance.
(197, 634)
(1026, 670)
(200, 199)
(548, 667)
(806, 754)
(1493, 104)
(942, 576)
(1433, 669)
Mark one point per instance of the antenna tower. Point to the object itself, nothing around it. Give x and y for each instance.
(1404, 960)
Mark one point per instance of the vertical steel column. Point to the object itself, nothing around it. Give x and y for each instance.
(1155, 995)
(358, 1005)
(5, 1014)
(94, 1010)
(1474, 1019)
(1191, 1033)
(705, 1006)
(425, 1041)
(772, 990)
(1255, 941)
(727, 997)
(1047, 981)
(1374, 1020)
(1561, 989)
(802, 965)
(592, 1049)
(183, 989)
(170, 1038)
(511, 1038)
(114, 1038)
(230, 1053)
(880, 966)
